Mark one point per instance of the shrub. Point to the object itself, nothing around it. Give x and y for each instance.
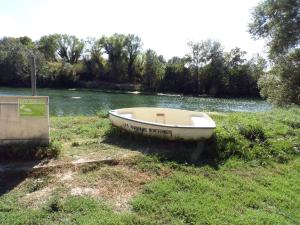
(252, 132)
(281, 85)
(263, 137)
(102, 114)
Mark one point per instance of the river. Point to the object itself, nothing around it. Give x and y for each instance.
(66, 102)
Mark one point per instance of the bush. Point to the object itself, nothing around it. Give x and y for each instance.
(281, 85)
(253, 132)
(102, 114)
(271, 136)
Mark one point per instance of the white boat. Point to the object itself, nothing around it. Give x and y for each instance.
(165, 123)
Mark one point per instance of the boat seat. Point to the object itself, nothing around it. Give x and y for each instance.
(200, 121)
(127, 115)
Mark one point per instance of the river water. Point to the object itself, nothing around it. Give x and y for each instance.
(65, 102)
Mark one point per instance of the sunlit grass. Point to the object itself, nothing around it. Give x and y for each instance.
(248, 174)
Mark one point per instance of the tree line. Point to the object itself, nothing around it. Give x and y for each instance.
(67, 61)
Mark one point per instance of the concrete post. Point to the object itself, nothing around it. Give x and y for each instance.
(33, 75)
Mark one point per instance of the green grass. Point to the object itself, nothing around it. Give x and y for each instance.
(73, 210)
(234, 195)
(269, 136)
(261, 137)
(248, 174)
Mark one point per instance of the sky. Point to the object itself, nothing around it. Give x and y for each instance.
(165, 26)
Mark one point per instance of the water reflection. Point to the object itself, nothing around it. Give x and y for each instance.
(83, 102)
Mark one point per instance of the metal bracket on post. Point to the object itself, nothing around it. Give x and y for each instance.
(33, 74)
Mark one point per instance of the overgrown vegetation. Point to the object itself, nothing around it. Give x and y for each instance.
(270, 136)
(239, 135)
(248, 174)
(261, 137)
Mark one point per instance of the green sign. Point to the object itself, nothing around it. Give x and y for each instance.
(30, 107)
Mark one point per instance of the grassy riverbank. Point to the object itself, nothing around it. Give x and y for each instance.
(248, 174)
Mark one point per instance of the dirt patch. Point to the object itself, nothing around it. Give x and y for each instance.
(37, 198)
(117, 184)
(67, 176)
(77, 191)
(112, 180)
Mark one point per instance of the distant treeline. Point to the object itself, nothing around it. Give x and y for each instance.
(66, 61)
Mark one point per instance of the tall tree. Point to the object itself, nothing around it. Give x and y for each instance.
(205, 61)
(235, 71)
(214, 73)
(70, 48)
(281, 85)
(94, 60)
(241, 75)
(257, 66)
(154, 70)
(94, 48)
(177, 77)
(114, 48)
(133, 47)
(15, 63)
(27, 41)
(196, 59)
(49, 45)
(279, 22)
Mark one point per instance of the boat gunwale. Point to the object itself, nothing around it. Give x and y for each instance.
(112, 112)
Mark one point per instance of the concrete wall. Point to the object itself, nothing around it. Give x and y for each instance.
(24, 120)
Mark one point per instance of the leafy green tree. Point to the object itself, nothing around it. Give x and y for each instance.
(235, 71)
(278, 21)
(27, 41)
(114, 47)
(94, 61)
(14, 65)
(15, 61)
(206, 64)
(138, 68)
(195, 60)
(94, 48)
(281, 85)
(257, 66)
(154, 70)
(213, 74)
(70, 48)
(132, 47)
(241, 75)
(235, 57)
(61, 46)
(177, 76)
(49, 45)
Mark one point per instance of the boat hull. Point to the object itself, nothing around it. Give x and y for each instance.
(160, 130)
